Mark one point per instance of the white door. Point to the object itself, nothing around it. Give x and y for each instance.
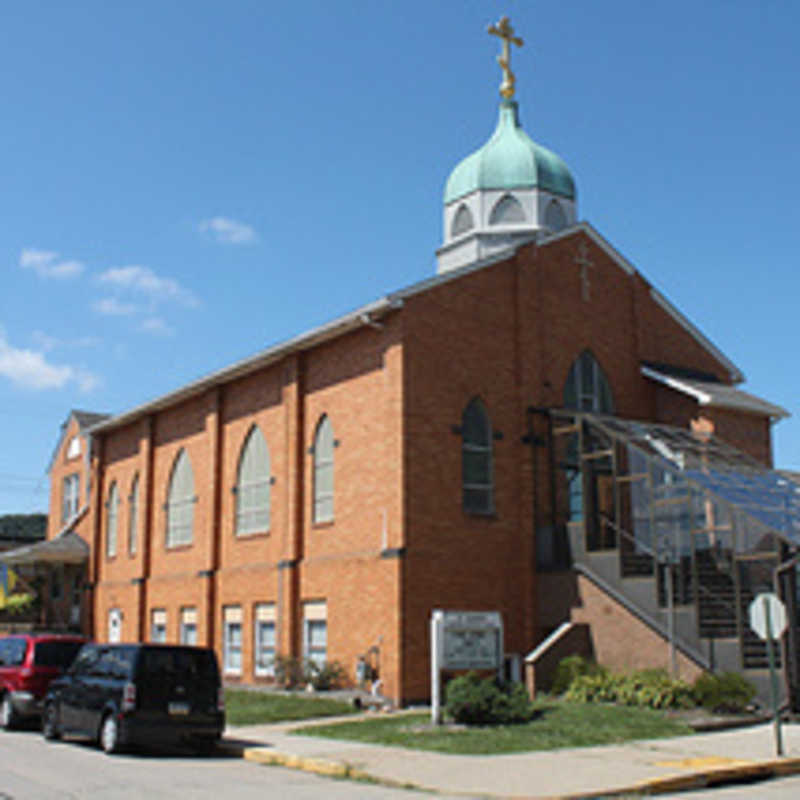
(114, 625)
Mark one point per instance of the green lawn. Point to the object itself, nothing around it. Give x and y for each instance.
(243, 707)
(559, 724)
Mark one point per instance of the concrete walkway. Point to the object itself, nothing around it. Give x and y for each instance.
(647, 767)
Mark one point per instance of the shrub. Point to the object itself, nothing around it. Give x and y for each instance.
(289, 672)
(728, 692)
(646, 688)
(328, 676)
(570, 668)
(472, 700)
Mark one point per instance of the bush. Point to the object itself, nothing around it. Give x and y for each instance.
(472, 700)
(728, 692)
(649, 688)
(289, 672)
(570, 668)
(328, 676)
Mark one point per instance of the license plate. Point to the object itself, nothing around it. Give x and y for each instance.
(178, 708)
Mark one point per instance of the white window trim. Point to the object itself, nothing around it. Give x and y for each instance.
(231, 619)
(264, 614)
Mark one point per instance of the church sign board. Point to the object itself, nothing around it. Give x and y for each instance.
(463, 640)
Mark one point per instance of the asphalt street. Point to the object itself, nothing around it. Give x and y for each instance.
(33, 769)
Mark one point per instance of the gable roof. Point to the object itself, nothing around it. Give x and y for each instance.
(85, 420)
(370, 313)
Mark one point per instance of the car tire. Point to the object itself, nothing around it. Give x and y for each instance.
(109, 734)
(205, 745)
(50, 727)
(8, 717)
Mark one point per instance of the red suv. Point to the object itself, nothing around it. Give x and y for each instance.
(28, 663)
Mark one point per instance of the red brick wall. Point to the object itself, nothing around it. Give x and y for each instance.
(400, 543)
(356, 381)
(509, 334)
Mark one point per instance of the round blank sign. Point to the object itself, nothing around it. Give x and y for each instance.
(767, 603)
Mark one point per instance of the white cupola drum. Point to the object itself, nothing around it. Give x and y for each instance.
(510, 190)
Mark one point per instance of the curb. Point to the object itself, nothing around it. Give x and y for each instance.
(330, 769)
(699, 779)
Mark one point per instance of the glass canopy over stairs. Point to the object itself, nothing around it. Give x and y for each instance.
(698, 516)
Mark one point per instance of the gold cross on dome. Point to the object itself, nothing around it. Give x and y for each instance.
(584, 262)
(504, 30)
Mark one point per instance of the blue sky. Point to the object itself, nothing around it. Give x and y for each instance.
(186, 183)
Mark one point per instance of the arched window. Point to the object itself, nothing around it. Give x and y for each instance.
(180, 502)
(253, 485)
(112, 515)
(587, 388)
(476, 459)
(462, 221)
(323, 471)
(507, 210)
(133, 517)
(554, 216)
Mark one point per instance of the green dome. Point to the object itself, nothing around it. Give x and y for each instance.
(510, 160)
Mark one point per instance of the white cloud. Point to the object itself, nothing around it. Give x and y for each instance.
(30, 369)
(47, 343)
(156, 326)
(111, 307)
(144, 281)
(45, 264)
(228, 231)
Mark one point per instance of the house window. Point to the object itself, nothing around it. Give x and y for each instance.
(554, 216)
(462, 221)
(180, 502)
(74, 447)
(112, 515)
(158, 625)
(188, 631)
(508, 210)
(232, 640)
(476, 459)
(587, 387)
(323, 471)
(315, 633)
(133, 517)
(253, 485)
(264, 644)
(70, 496)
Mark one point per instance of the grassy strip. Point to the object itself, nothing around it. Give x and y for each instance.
(557, 725)
(244, 707)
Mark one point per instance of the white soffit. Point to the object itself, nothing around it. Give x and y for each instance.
(717, 395)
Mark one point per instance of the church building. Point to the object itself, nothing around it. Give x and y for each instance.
(534, 430)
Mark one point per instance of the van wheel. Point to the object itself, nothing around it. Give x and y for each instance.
(204, 745)
(109, 734)
(50, 727)
(8, 717)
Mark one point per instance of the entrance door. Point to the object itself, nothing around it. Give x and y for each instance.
(114, 626)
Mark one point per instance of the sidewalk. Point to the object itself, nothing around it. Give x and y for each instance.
(653, 766)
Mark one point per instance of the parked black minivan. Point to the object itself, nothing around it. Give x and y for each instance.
(138, 694)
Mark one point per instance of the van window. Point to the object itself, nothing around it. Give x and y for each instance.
(83, 663)
(115, 663)
(13, 653)
(178, 661)
(55, 654)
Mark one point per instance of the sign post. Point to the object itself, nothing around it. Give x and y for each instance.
(463, 640)
(768, 620)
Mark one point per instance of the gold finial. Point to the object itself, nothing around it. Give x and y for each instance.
(504, 30)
